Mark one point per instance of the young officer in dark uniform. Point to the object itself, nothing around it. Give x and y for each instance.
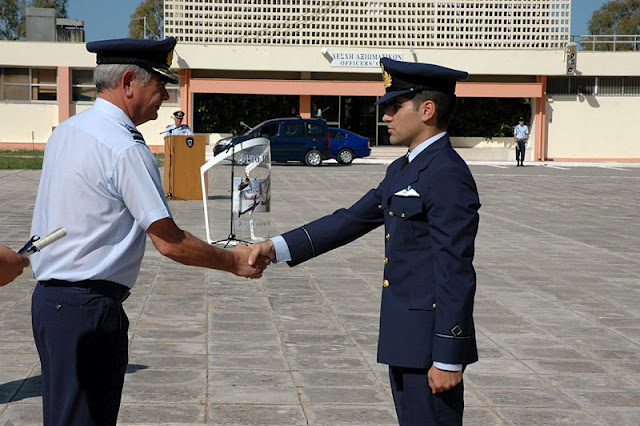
(101, 182)
(428, 204)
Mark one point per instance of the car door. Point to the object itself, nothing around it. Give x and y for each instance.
(288, 145)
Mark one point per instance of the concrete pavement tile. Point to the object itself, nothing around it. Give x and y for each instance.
(350, 395)
(155, 385)
(329, 362)
(503, 366)
(526, 398)
(616, 416)
(256, 414)
(477, 416)
(592, 382)
(321, 350)
(161, 413)
(605, 398)
(546, 416)
(507, 381)
(270, 395)
(22, 414)
(324, 378)
(229, 377)
(165, 360)
(546, 353)
(351, 415)
(150, 346)
(248, 361)
(565, 367)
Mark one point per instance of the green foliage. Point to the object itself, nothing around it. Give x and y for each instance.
(147, 21)
(21, 159)
(12, 25)
(12, 15)
(488, 117)
(619, 17)
(223, 113)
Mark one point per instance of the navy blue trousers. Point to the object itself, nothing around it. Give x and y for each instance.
(82, 341)
(416, 405)
(521, 148)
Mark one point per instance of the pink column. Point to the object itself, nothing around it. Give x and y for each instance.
(64, 93)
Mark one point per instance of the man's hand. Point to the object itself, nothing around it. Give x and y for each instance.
(441, 380)
(11, 265)
(262, 252)
(242, 253)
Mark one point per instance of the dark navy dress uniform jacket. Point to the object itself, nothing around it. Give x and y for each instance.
(429, 209)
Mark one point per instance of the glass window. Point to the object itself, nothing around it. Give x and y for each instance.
(174, 93)
(294, 129)
(269, 130)
(44, 85)
(83, 89)
(315, 129)
(16, 84)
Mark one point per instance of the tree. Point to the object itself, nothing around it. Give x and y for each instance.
(147, 21)
(12, 15)
(617, 17)
(12, 26)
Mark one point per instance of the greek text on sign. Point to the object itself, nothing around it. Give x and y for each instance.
(361, 59)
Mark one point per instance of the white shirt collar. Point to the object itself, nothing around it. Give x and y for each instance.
(113, 111)
(418, 149)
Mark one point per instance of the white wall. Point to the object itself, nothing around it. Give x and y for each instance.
(27, 122)
(593, 127)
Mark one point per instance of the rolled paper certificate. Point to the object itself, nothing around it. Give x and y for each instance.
(36, 243)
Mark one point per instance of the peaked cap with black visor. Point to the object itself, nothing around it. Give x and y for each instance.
(153, 55)
(405, 78)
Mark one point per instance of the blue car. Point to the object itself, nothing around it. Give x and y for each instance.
(346, 145)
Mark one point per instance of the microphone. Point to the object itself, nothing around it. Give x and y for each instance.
(36, 243)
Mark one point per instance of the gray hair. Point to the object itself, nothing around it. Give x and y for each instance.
(107, 76)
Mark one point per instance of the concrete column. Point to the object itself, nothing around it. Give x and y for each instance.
(64, 93)
(540, 146)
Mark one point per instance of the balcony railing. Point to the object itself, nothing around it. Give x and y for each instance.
(608, 43)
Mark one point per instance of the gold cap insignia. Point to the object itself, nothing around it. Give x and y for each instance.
(386, 79)
(170, 58)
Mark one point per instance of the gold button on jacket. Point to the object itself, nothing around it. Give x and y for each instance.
(386, 260)
(388, 237)
(385, 283)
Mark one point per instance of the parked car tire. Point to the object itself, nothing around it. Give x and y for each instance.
(345, 156)
(313, 158)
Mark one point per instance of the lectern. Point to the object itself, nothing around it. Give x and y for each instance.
(183, 156)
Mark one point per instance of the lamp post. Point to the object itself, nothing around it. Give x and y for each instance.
(144, 20)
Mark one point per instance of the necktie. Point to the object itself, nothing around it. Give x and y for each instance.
(405, 160)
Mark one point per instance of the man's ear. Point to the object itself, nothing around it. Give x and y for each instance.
(428, 110)
(126, 82)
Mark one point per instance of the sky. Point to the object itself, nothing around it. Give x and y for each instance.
(105, 19)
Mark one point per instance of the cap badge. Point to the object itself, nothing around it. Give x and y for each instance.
(386, 79)
(170, 58)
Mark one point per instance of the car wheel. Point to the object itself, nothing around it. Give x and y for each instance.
(345, 156)
(313, 158)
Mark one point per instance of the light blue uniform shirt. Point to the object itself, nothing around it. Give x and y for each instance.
(104, 187)
(521, 132)
(283, 254)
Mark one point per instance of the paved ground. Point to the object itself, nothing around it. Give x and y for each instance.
(556, 310)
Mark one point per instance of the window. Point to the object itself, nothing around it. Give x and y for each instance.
(83, 89)
(269, 130)
(28, 84)
(314, 129)
(294, 129)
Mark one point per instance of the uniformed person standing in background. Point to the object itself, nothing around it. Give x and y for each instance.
(177, 128)
(520, 137)
(100, 181)
(428, 204)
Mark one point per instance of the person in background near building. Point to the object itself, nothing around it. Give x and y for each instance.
(521, 137)
(101, 181)
(11, 265)
(428, 203)
(177, 128)
(294, 112)
(316, 112)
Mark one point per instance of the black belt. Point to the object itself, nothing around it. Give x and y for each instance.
(105, 288)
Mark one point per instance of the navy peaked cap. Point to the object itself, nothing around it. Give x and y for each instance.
(403, 78)
(153, 55)
(178, 114)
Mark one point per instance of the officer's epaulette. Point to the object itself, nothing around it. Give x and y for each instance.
(137, 136)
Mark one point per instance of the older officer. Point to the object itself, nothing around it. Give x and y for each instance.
(102, 183)
(177, 128)
(428, 203)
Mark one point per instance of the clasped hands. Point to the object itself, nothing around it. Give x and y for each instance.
(251, 261)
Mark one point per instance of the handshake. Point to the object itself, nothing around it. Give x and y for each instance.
(251, 261)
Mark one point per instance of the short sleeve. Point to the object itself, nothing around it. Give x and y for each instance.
(137, 179)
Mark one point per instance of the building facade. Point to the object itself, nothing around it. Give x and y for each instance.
(327, 52)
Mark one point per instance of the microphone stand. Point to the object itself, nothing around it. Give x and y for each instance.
(231, 239)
